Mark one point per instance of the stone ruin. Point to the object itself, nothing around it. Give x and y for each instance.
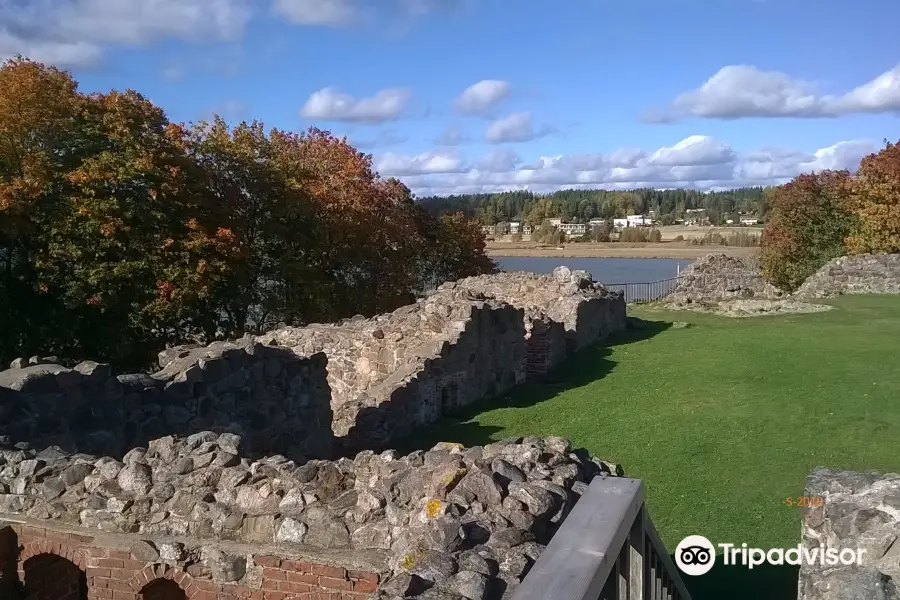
(468, 340)
(857, 274)
(278, 401)
(719, 277)
(564, 312)
(320, 390)
(734, 287)
(191, 515)
(854, 511)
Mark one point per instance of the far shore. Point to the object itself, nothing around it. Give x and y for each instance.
(673, 250)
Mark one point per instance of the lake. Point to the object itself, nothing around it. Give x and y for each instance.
(604, 270)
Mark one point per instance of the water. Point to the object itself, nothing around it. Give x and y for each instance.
(604, 270)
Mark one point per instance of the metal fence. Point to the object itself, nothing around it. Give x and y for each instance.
(645, 291)
(606, 549)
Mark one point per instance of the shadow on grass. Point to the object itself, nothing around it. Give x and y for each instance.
(765, 582)
(588, 365)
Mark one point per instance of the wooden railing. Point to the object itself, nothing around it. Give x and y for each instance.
(606, 549)
(650, 291)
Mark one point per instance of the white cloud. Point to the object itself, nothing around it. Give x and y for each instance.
(482, 96)
(516, 127)
(501, 160)
(330, 104)
(396, 165)
(317, 12)
(341, 13)
(739, 91)
(698, 162)
(76, 32)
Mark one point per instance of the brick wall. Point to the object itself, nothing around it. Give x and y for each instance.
(53, 565)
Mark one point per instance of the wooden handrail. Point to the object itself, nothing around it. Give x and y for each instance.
(607, 548)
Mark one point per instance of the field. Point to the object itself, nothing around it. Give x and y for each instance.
(723, 420)
(612, 250)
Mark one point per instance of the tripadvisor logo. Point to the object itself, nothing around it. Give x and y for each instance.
(696, 555)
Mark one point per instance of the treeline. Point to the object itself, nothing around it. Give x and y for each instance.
(121, 232)
(583, 205)
(820, 216)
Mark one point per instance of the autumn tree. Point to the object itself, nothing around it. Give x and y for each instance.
(808, 223)
(875, 199)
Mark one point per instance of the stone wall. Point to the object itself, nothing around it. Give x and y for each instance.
(717, 277)
(564, 312)
(859, 511)
(278, 401)
(396, 372)
(858, 274)
(467, 521)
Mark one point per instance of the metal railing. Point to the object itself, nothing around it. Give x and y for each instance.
(646, 291)
(606, 549)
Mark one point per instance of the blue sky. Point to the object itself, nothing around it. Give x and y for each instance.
(485, 95)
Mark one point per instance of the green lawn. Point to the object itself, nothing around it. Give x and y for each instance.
(722, 420)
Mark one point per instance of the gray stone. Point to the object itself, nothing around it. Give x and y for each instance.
(291, 531)
(539, 501)
(135, 478)
(468, 584)
(145, 550)
(483, 486)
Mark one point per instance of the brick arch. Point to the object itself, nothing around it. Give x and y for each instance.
(52, 571)
(161, 571)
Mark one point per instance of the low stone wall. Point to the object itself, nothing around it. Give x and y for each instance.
(859, 511)
(564, 312)
(857, 274)
(278, 401)
(717, 277)
(467, 521)
(396, 372)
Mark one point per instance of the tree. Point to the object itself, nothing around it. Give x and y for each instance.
(875, 199)
(809, 220)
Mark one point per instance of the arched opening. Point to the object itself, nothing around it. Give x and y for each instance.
(162, 589)
(52, 577)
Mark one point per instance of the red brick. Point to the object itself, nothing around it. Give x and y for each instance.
(333, 583)
(267, 561)
(204, 595)
(270, 584)
(276, 574)
(275, 595)
(303, 578)
(110, 563)
(364, 586)
(97, 572)
(120, 554)
(327, 571)
(258, 595)
(117, 595)
(134, 565)
(82, 539)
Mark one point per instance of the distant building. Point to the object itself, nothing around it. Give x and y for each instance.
(748, 220)
(515, 227)
(573, 228)
(639, 221)
(487, 229)
(595, 222)
(620, 223)
(501, 228)
(555, 222)
(526, 229)
(695, 216)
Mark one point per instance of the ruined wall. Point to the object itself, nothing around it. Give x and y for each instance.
(395, 372)
(858, 274)
(859, 511)
(564, 312)
(278, 401)
(194, 512)
(717, 277)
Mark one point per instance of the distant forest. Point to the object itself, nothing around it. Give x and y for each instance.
(579, 206)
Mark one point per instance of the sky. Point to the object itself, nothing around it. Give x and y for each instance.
(471, 96)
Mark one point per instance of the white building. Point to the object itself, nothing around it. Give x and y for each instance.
(487, 229)
(573, 228)
(620, 223)
(749, 221)
(515, 227)
(555, 222)
(639, 221)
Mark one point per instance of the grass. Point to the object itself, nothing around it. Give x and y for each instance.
(722, 420)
